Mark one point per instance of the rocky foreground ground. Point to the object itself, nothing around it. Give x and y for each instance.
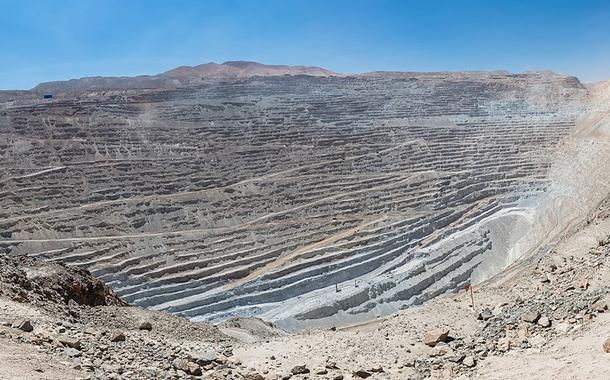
(546, 317)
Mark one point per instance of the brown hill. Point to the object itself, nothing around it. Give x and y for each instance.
(178, 77)
(243, 69)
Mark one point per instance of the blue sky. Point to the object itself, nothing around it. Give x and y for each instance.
(60, 39)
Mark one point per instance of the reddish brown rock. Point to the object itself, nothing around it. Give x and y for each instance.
(432, 337)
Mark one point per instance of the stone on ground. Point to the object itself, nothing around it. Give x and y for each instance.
(469, 361)
(361, 374)
(23, 325)
(145, 325)
(117, 336)
(544, 322)
(432, 337)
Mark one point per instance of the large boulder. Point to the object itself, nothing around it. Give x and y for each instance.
(181, 364)
(203, 357)
(600, 306)
(440, 349)
(68, 341)
(23, 325)
(254, 376)
(145, 325)
(117, 336)
(361, 374)
(544, 322)
(432, 337)
(485, 314)
(187, 366)
(299, 370)
(469, 361)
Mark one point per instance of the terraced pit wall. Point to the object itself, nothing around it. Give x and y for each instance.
(307, 201)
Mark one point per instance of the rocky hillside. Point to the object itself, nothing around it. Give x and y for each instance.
(24, 279)
(546, 318)
(308, 201)
(76, 327)
(355, 209)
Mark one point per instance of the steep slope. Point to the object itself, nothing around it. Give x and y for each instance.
(310, 201)
(579, 178)
(549, 322)
(57, 322)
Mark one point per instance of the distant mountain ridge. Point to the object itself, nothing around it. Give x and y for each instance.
(243, 69)
(180, 76)
(231, 70)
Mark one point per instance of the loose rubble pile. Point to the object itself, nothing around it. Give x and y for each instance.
(562, 304)
(84, 324)
(103, 354)
(24, 279)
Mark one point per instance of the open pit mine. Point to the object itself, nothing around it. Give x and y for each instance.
(300, 196)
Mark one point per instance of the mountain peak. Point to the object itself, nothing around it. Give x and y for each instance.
(243, 69)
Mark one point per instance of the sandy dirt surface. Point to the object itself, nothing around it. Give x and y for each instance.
(24, 362)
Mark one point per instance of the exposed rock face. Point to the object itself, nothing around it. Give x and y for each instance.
(606, 345)
(99, 341)
(361, 195)
(25, 279)
(391, 346)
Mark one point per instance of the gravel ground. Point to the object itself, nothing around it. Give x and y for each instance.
(548, 320)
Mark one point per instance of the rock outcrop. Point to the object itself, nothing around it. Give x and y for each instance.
(25, 279)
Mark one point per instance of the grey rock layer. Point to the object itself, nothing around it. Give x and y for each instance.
(308, 201)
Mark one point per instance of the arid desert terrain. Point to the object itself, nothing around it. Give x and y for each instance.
(249, 221)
